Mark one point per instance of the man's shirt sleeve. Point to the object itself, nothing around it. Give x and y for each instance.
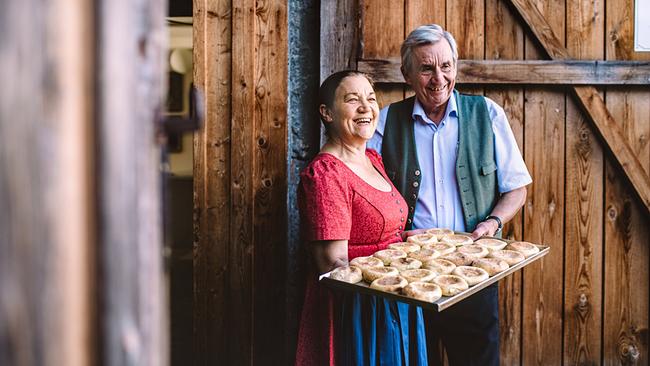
(511, 169)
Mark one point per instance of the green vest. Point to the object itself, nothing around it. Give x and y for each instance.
(475, 164)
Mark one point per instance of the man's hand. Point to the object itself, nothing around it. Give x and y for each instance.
(505, 209)
(485, 228)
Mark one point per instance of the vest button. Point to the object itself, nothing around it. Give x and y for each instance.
(417, 172)
(416, 184)
(414, 196)
(411, 208)
(409, 221)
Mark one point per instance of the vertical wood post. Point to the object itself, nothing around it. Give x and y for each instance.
(46, 187)
(132, 310)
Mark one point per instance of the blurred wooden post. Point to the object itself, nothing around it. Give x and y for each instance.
(81, 271)
(46, 219)
(130, 71)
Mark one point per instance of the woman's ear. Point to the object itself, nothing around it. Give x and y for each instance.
(325, 113)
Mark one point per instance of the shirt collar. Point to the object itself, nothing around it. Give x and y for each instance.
(419, 115)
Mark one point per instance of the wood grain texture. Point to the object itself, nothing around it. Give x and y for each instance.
(242, 186)
(626, 276)
(270, 184)
(421, 12)
(212, 23)
(382, 38)
(544, 215)
(627, 256)
(339, 32)
(47, 194)
(555, 72)
(584, 202)
(466, 22)
(505, 41)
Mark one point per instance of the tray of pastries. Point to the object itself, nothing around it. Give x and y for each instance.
(435, 269)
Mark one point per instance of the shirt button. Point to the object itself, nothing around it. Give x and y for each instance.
(417, 172)
(401, 210)
(401, 219)
(440, 181)
(393, 194)
(416, 184)
(400, 227)
(396, 234)
(397, 201)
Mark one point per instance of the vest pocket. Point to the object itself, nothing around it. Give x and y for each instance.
(488, 168)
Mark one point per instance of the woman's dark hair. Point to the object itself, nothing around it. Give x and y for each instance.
(327, 91)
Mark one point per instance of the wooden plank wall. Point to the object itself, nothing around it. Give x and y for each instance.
(578, 203)
(240, 183)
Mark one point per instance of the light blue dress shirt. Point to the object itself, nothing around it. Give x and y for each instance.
(438, 203)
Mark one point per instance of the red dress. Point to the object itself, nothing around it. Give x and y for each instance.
(336, 204)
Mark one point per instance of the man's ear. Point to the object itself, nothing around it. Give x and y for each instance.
(326, 114)
(405, 75)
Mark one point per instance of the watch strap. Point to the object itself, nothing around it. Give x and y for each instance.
(498, 220)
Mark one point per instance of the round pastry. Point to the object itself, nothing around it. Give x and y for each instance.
(406, 263)
(457, 239)
(491, 244)
(450, 284)
(524, 247)
(425, 291)
(389, 255)
(389, 283)
(406, 247)
(458, 258)
(440, 266)
(473, 250)
(424, 255)
(491, 265)
(372, 273)
(366, 262)
(422, 239)
(472, 275)
(442, 248)
(439, 232)
(349, 274)
(415, 275)
(509, 256)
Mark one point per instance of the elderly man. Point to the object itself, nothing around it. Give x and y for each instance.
(455, 160)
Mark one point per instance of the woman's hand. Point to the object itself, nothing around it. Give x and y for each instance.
(329, 254)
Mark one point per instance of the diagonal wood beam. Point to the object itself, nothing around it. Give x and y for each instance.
(591, 102)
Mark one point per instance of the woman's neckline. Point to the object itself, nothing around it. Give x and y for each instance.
(361, 179)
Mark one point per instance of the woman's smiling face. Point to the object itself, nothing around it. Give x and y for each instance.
(353, 115)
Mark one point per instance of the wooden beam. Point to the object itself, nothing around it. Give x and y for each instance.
(556, 72)
(592, 103)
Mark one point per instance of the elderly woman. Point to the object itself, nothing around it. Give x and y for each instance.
(350, 208)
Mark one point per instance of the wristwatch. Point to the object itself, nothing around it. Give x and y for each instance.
(498, 220)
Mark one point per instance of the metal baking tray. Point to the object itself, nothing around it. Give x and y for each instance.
(444, 302)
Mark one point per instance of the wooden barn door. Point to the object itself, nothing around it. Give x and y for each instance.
(584, 138)
(81, 271)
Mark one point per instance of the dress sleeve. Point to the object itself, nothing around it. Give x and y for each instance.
(325, 202)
